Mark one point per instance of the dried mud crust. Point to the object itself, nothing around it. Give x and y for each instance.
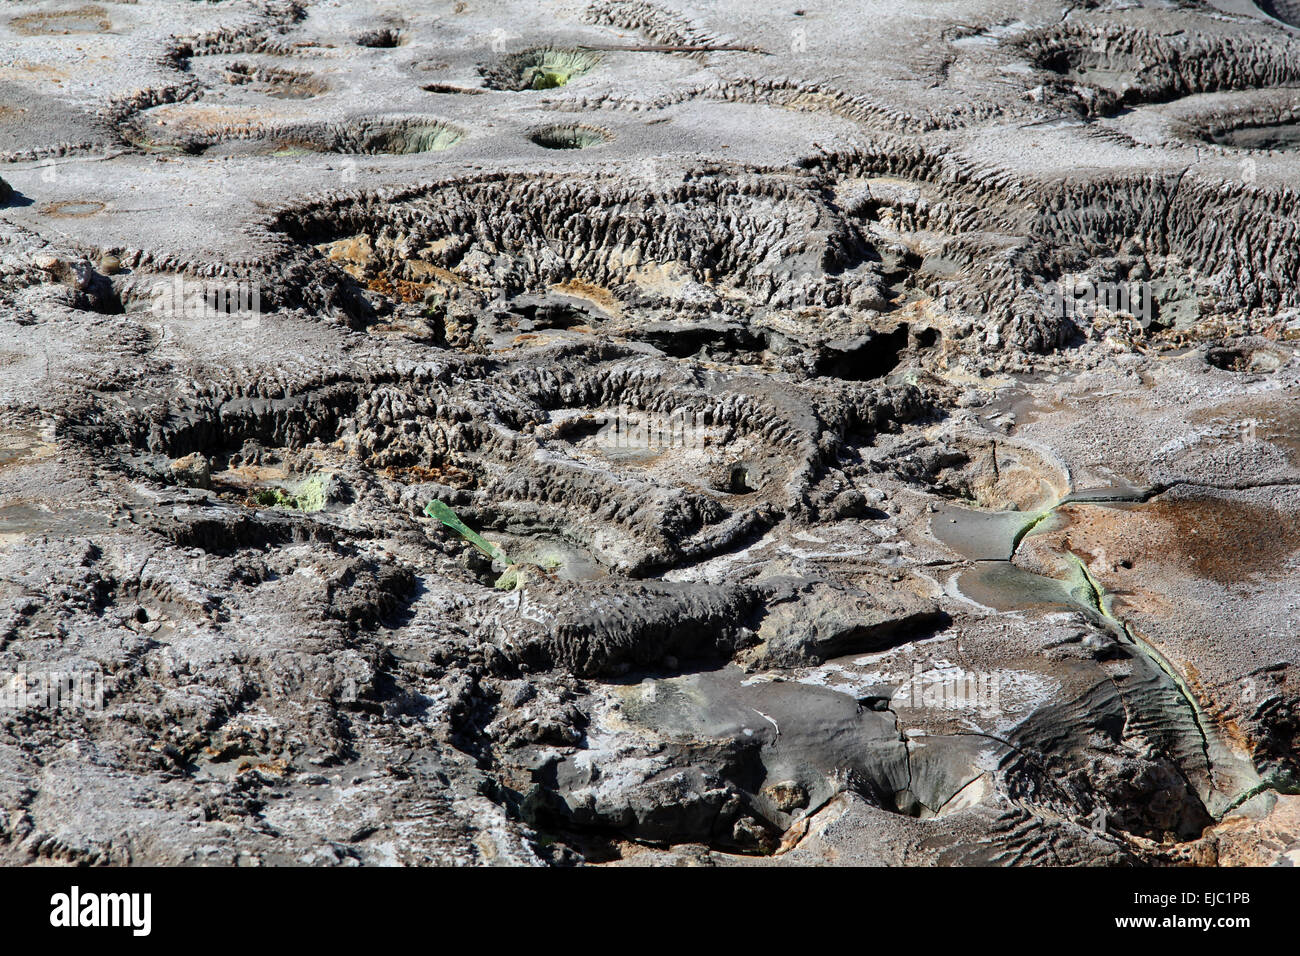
(538, 460)
(770, 256)
(745, 356)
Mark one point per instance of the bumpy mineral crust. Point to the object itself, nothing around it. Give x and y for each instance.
(640, 433)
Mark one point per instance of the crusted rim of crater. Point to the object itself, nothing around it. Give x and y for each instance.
(1285, 11)
(1222, 133)
(563, 136)
(382, 38)
(367, 135)
(539, 68)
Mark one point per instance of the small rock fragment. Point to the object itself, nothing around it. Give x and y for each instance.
(787, 795)
(192, 470)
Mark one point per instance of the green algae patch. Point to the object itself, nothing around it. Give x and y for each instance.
(309, 495)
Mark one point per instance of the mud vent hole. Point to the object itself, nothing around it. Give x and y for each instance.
(1283, 135)
(376, 138)
(280, 83)
(1288, 11)
(383, 39)
(569, 137)
(738, 481)
(84, 19)
(1238, 359)
(541, 69)
(73, 209)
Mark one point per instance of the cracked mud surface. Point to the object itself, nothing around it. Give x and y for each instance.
(730, 329)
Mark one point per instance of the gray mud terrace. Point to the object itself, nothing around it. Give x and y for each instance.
(727, 338)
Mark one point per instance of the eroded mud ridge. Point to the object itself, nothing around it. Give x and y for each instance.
(649, 434)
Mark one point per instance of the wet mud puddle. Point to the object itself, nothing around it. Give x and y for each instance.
(1222, 772)
(17, 447)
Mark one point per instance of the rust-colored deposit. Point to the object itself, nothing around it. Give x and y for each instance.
(1216, 539)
